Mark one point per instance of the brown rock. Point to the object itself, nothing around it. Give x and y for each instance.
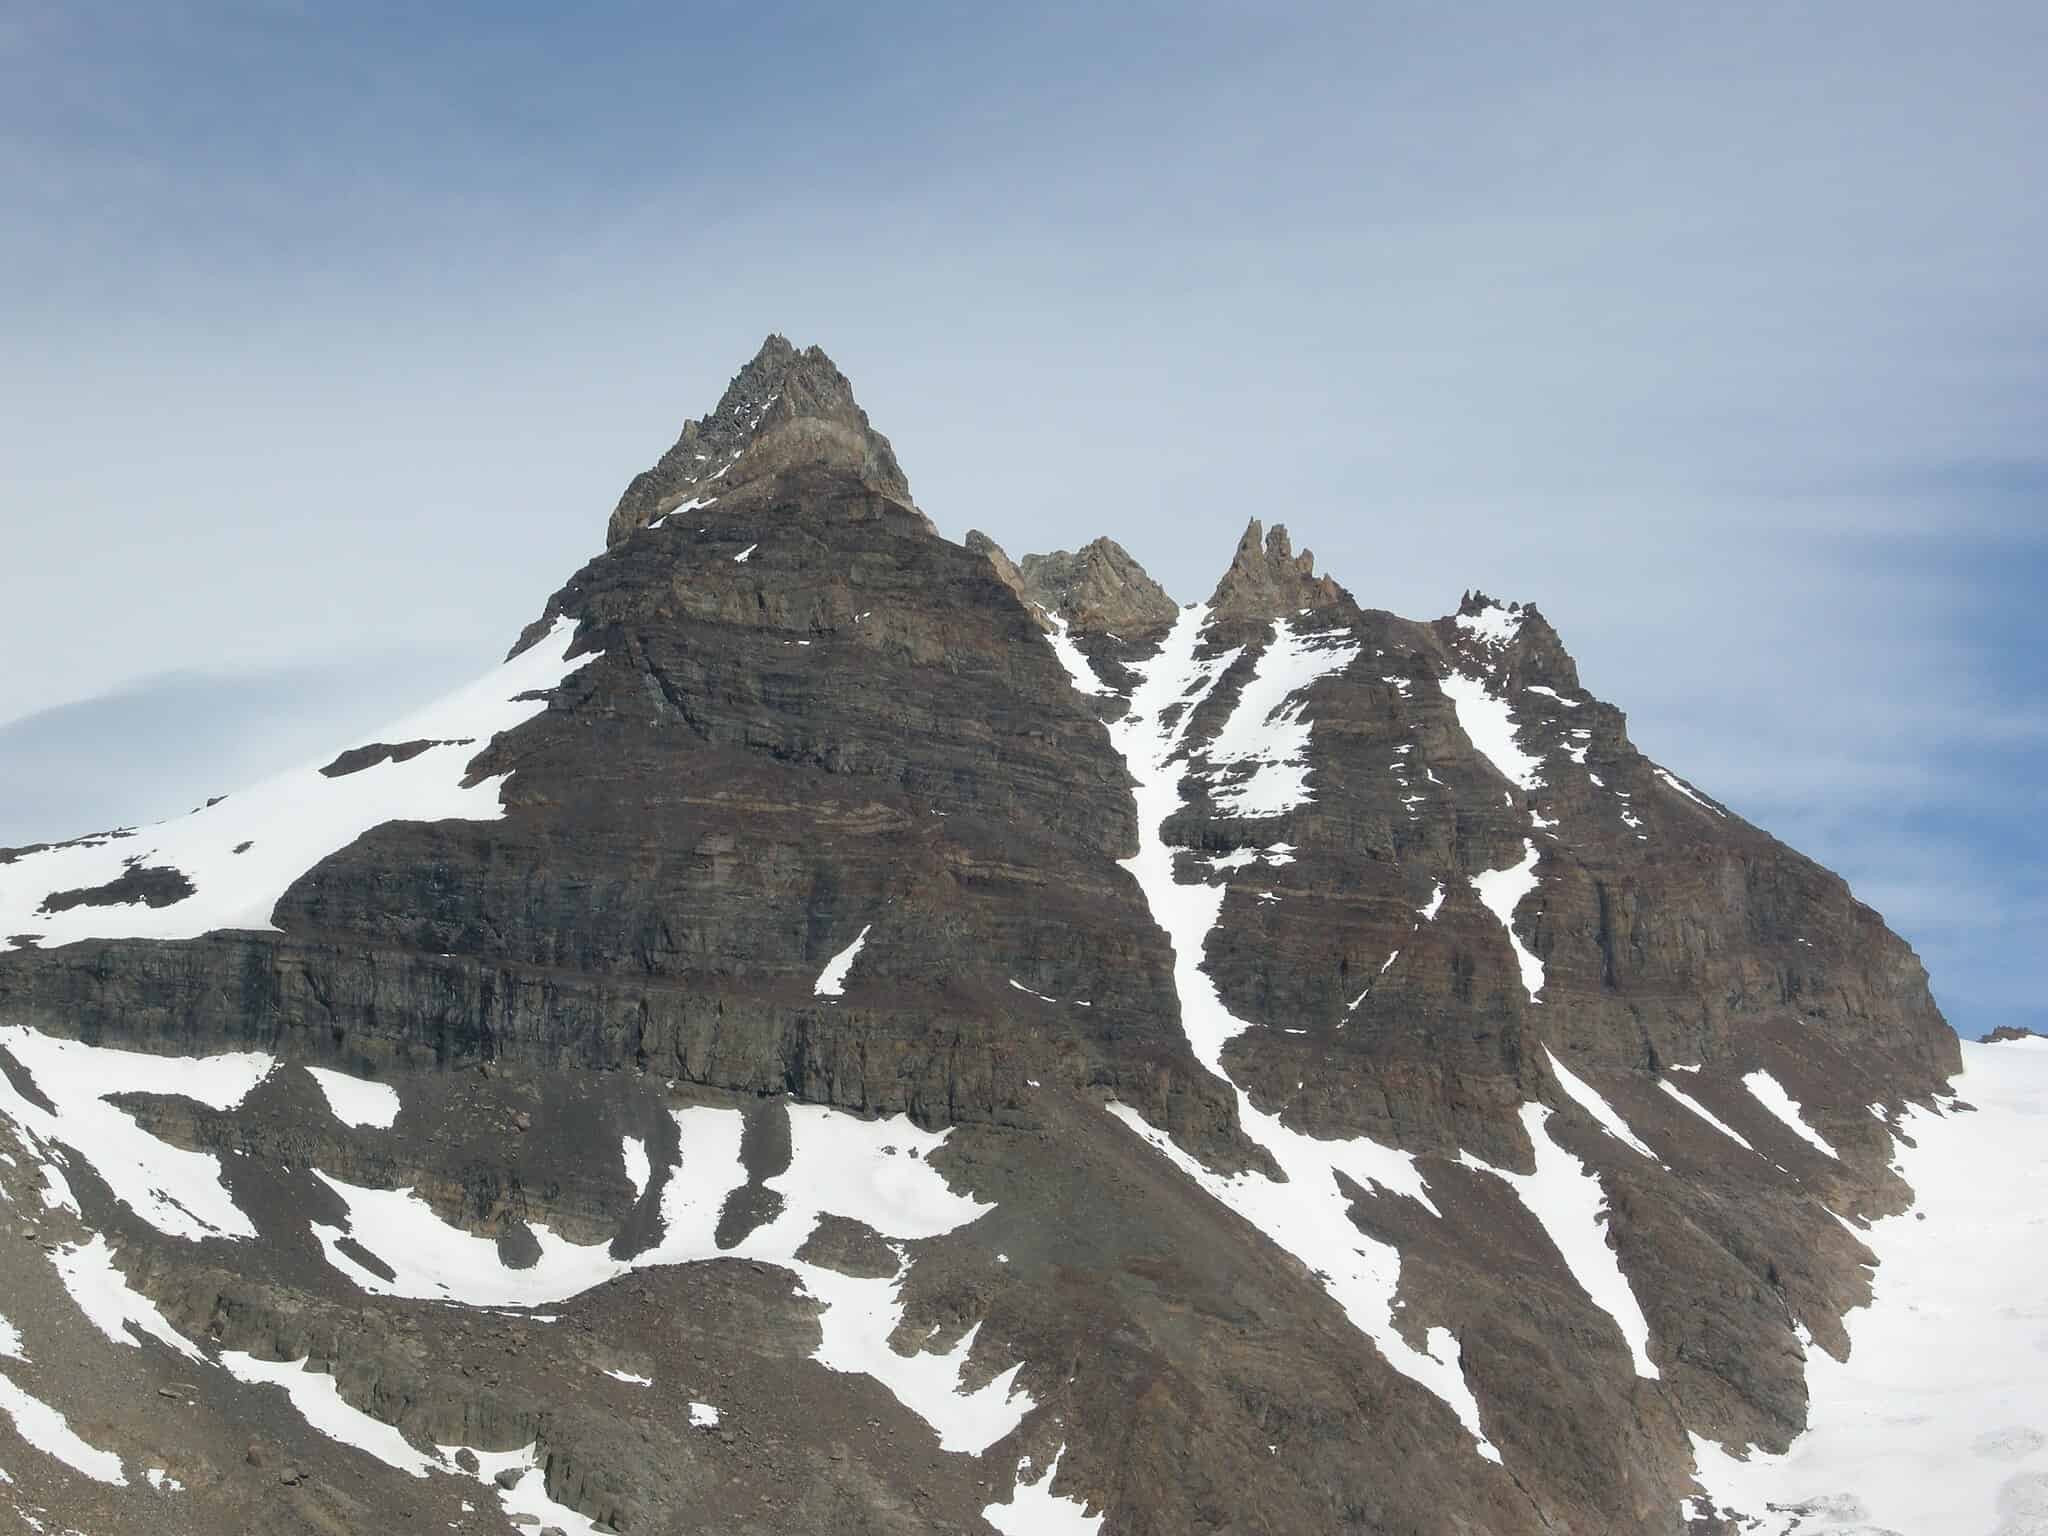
(1267, 579)
(1098, 589)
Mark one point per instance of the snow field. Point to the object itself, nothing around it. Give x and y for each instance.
(877, 1172)
(243, 852)
(1937, 1423)
(874, 1171)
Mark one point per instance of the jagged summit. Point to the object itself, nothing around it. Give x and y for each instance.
(1098, 588)
(1511, 640)
(784, 408)
(1267, 578)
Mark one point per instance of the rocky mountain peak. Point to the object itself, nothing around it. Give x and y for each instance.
(1097, 588)
(784, 409)
(1267, 578)
(1534, 1118)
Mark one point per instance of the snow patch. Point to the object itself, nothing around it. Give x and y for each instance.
(630, 1379)
(178, 1192)
(526, 1502)
(1266, 730)
(1071, 660)
(832, 980)
(318, 1399)
(703, 1416)
(1501, 891)
(1567, 1199)
(45, 1428)
(1492, 628)
(434, 1261)
(355, 1102)
(1583, 1094)
(1704, 1113)
(1033, 1509)
(1489, 724)
(639, 1170)
(1770, 1093)
(1686, 790)
(110, 1303)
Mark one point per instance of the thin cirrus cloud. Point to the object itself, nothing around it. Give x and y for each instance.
(1722, 335)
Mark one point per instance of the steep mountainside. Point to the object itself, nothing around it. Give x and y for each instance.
(845, 1031)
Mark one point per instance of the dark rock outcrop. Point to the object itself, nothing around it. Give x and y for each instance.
(151, 885)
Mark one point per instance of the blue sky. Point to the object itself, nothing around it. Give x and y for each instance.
(1722, 333)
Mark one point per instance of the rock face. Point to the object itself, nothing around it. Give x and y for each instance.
(1254, 983)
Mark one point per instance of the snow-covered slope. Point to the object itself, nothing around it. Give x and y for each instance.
(226, 864)
(1937, 1422)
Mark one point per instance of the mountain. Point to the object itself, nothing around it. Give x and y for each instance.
(847, 1031)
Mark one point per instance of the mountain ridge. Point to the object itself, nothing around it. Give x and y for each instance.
(1327, 1034)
